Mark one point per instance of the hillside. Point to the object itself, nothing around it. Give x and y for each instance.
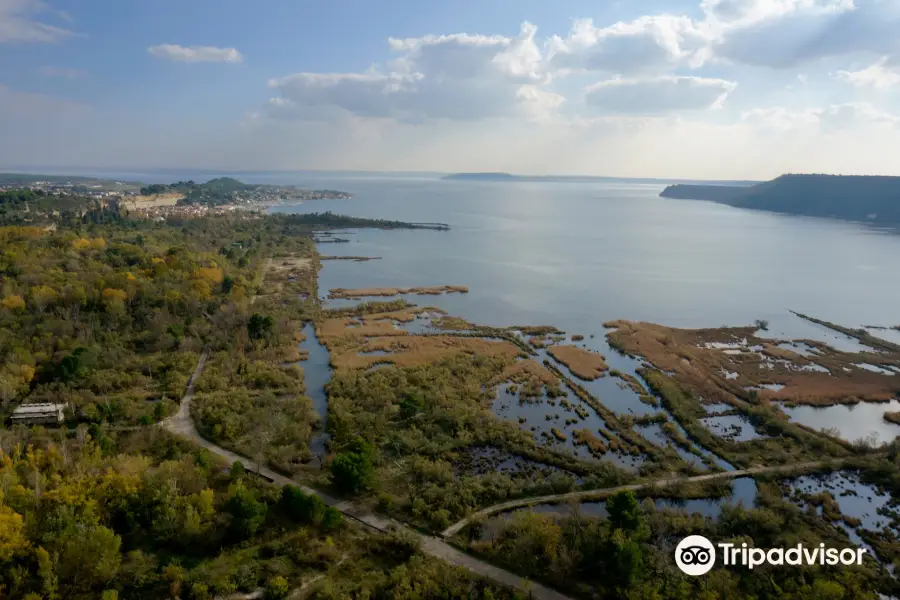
(874, 199)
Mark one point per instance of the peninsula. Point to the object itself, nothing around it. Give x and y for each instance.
(873, 199)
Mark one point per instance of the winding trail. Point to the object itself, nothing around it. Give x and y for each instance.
(659, 483)
(182, 424)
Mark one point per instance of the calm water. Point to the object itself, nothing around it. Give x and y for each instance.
(743, 493)
(316, 373)
(576, 255)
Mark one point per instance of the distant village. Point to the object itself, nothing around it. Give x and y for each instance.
(134, 201)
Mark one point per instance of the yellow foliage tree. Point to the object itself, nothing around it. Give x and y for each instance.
(14, 302)
(115, 300)
(202, 289)
(115, 294)
(43, 296)
(88, 244)
(213, 275)
(19, 233)
(25, 373)
(12, 532)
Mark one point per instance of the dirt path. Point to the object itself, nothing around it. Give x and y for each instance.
(181, 424)
(659, 483)
(260, 278)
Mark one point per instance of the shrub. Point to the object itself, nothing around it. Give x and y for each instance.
(277, 588)
(352, 470)
(305, 508)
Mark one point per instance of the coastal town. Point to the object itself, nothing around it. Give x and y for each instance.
(156, 201)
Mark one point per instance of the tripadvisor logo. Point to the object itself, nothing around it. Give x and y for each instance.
(696, 555)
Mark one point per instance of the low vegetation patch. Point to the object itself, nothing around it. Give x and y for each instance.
(584, 364)
(423, 291)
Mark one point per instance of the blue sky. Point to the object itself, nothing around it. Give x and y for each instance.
(697, 88)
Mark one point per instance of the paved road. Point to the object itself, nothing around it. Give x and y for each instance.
(181, 424)
(659, 483)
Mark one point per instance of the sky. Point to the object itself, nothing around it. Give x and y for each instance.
(717, 89)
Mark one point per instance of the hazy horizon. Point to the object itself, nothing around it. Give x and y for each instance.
(106, 172)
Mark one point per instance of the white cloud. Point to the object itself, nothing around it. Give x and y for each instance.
(755, 11)
(658, 95)
(779, 117)
(650, 43)
(841, 116)
(18, 23)
(771, 33)
(834, 117)
(195, 54)
(785, 33)
(522, 102)
(454, 77)
(878, 75)
(62, 72)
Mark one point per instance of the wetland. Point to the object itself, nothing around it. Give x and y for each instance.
(510, 391)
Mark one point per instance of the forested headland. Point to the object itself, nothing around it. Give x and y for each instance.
(873, 199)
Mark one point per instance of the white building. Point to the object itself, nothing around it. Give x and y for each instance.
(34, 414)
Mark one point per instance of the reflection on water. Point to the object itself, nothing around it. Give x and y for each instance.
(542, 415)
(732, 427)
(852, 421)
(889, 334)
(874, 369)
(743, 493)
(798, 348)
(316, 374)
(655, 435)
(791, 327)
(576, 255)
(855, 499)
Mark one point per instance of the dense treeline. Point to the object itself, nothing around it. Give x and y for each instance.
(24, 206)
(629, 554)
(214, 190)
(333, 220)
(110, 317)
(142, 515)
(20, 196)
(858, 198)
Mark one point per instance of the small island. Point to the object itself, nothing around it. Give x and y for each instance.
(873, 199)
